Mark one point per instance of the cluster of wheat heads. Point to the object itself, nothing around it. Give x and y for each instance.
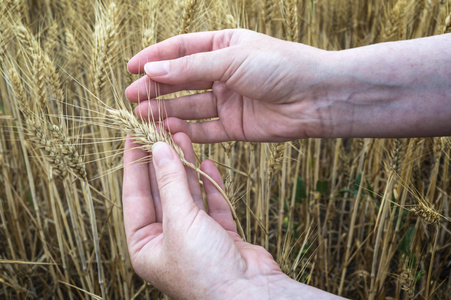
(363, 218)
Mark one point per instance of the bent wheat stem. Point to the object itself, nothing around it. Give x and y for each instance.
(147, 134)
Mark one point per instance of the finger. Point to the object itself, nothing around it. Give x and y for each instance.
(137, 196)
(218, 208)
(192, 107)
(176, 201)
(155, 194)
(178, 46)
(202, 132)
(145, 88)
(217, 65)
(184, 142)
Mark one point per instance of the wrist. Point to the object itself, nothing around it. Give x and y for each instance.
(356, 97)
(278, 286)
(384, 90)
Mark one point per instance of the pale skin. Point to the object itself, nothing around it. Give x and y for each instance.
(264, 90)
(268, 90)
(182, 249)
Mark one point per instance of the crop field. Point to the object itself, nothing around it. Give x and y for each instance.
(361, 218)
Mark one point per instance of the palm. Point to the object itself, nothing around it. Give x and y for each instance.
(233, 257)
(246, 119)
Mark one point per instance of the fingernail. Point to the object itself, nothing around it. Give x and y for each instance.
(162, 154)
(157, 68)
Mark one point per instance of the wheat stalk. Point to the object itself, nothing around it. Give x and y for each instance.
(189, 13)
(275, 158)
(147, 134)
(38, 134)
(447, 27)
(291, 18)
(5, 32)
(105, 35)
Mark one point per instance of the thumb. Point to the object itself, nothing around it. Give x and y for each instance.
(176, 199)
(218, 65)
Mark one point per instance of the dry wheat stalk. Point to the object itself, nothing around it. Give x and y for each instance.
(56, 146)
(74, 54)
(18, 90)
(228, 146)
(291, 17)
(447, 27)
(44, 72)
(71, 156)
(149, 8)
(50, 43)
(427, 213)
(147, 134)
(275, 158)
(105, 35)
(144, 134)
(190, 8)
(37, 133)
(407, 281)
(268, 11)
(5, 32)
(33, 48)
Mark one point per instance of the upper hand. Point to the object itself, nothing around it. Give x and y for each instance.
(261, 88)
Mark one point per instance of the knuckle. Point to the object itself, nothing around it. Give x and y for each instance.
(185, 62)
(167, 179)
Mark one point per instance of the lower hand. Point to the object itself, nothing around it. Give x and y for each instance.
(182, 249)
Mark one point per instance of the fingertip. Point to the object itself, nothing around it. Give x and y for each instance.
(127, 93)
(162, 154)
(135, 65)
(184, 142)
(207, 166)
(175, 125)
(132, 66)
(142, 110)
(181, 138)
(210, 168)
(128, 66)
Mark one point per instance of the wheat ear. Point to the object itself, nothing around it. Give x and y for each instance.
(146, 134)
(105, 35)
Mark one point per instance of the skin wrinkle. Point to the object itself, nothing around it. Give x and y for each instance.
(141, 244)
(242, 119)
(182, 49)
(231, 69)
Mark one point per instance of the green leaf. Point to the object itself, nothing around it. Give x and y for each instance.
(357, 182)
(305, 249)
(300, 190)
(2, 107)
(286, 222)
(342, 191)
(370, 189)
(322, 186)
(419, 274)
(404, 246)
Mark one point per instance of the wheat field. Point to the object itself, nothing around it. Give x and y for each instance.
(361, 218)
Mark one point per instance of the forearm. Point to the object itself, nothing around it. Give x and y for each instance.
(399, 89)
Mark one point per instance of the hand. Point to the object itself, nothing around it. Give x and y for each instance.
(262, 88)
(180, 248)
